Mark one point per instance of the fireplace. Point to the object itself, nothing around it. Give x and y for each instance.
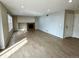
(30, 26)
(22, 26)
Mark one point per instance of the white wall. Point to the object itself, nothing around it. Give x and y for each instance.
(21, 19)
(76, 25)
(4, 27)
(24, 20)
(53, 24)
(1, 31)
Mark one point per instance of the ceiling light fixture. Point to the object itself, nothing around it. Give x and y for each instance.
(22, 6)
(70, 1)
(48, 10)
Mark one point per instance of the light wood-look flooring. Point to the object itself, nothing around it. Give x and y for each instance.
(43, 45)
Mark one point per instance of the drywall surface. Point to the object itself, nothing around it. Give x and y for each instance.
(5, 24)
(76, 25)
(53, 24)
(21, 19)
(1, 32)
(5, 29)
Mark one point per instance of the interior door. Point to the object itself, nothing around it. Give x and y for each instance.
(69, 22)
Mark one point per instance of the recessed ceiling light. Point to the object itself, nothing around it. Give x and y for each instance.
(48, 10)
(70, 1)
(22, 6)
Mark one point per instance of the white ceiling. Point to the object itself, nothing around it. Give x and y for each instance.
(38, 7)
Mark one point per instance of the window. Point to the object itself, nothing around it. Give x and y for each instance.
(10, 22)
